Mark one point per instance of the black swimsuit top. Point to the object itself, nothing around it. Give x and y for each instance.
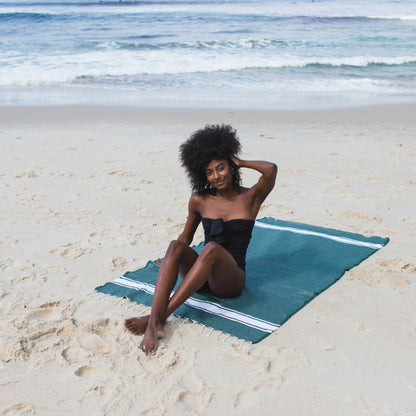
(233, 235)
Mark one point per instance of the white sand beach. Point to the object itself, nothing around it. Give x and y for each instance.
(91, 192)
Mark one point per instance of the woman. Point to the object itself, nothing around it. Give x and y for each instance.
(227, 211)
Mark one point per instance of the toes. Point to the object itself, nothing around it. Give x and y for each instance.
(128, 325)
(134, 330)
(128, 322)
(148, 350)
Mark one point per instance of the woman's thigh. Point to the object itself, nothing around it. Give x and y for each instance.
(226, 279)
(187, 259)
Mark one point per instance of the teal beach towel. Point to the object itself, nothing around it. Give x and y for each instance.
(288, 264)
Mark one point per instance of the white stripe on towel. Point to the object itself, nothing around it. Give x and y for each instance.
(210, 307)
(344, 240)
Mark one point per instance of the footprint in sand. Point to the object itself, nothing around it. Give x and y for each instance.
(72, 251)
(46, 312)
(101, 394)
(281, 361)
(99, 391)
(27, 174)
(326, 345)
(44, 315)
(5, 263)
(195, 396)
(99, 327)
(20, 409)
(39, 340)
(87, 371)
(119, 262)
(93, 343)
(73, 354)
(397, 264)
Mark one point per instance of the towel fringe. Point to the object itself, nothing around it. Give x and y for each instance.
(183, 321)
(143, 309)
(122, 301)
(99, 295)
(173, 320)
(192, 324)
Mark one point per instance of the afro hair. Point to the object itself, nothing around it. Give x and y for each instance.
(214, 142)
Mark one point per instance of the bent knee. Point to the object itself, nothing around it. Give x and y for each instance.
(210, 250)
(176, 247)
(212, 246)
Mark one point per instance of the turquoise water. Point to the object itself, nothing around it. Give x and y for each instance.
(249, 53)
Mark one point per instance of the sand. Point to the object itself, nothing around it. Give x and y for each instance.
(91, 192)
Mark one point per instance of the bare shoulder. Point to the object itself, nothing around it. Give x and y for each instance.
(195, 201)
(196, 197)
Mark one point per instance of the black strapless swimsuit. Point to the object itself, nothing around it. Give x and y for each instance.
(233, 235)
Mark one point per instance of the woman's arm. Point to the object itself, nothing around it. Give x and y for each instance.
(191, 225)
(192, 221)
(267, 179)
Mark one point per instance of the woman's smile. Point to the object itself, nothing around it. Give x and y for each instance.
(218, 172)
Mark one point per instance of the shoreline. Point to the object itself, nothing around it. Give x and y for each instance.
(244, 100)
(392, 113)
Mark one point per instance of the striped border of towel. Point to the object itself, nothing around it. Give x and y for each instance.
(206, 306)
(338, 239)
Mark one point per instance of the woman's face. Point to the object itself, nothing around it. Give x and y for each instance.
(219, 174)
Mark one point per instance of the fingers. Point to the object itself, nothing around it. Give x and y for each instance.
(235, 160)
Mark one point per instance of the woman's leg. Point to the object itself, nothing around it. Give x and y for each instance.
(178, 256)
(214, 265)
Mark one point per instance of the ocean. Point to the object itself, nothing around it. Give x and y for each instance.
(235, 53)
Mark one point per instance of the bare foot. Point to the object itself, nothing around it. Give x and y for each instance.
(137, 326)
(152, 334)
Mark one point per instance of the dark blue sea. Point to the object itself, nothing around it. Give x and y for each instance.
(267, 53)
